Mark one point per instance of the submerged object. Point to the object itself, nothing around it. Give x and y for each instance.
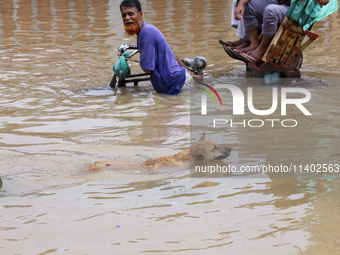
(0, 183)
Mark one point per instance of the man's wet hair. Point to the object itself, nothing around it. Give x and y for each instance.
(131, 3)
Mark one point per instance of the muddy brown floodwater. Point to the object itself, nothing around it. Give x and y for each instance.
(58, 113)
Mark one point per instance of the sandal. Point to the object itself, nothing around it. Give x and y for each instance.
(233, 54)
(231, 44)
(228, 43)
(251, 58)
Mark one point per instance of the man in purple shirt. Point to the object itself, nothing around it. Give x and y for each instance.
(167, 72)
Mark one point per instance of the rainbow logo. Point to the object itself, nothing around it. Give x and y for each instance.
(209, 93)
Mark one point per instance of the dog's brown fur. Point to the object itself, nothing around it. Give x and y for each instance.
(203, 150)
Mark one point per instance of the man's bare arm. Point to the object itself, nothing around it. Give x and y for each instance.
(240, 9)
(321, 2)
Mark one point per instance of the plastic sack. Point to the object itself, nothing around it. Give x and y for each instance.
(305, 12)
(121, 68)
(196, 64)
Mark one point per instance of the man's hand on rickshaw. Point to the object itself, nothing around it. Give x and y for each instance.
(196, 76)
(321, 2)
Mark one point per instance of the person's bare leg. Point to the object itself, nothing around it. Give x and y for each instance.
(261, 50)
(254, 41)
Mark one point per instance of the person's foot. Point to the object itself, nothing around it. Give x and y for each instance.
(249, 48)
(232, 44)
(252, 58)
(262, 48)
(258, 52)
(243, 45)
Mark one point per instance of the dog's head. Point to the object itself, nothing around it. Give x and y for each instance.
(205, 150)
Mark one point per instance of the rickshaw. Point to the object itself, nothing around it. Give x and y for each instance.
(284, 56)
(122, 73)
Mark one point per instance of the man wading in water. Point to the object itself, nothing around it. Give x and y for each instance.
(168, 73)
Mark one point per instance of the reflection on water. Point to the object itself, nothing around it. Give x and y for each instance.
(58, 113)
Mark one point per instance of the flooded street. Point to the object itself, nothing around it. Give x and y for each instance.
(58, 113)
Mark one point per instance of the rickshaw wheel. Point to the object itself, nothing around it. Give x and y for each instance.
(297, 63)
(121, 83)
(300, 61)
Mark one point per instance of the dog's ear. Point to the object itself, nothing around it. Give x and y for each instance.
(202, 137)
